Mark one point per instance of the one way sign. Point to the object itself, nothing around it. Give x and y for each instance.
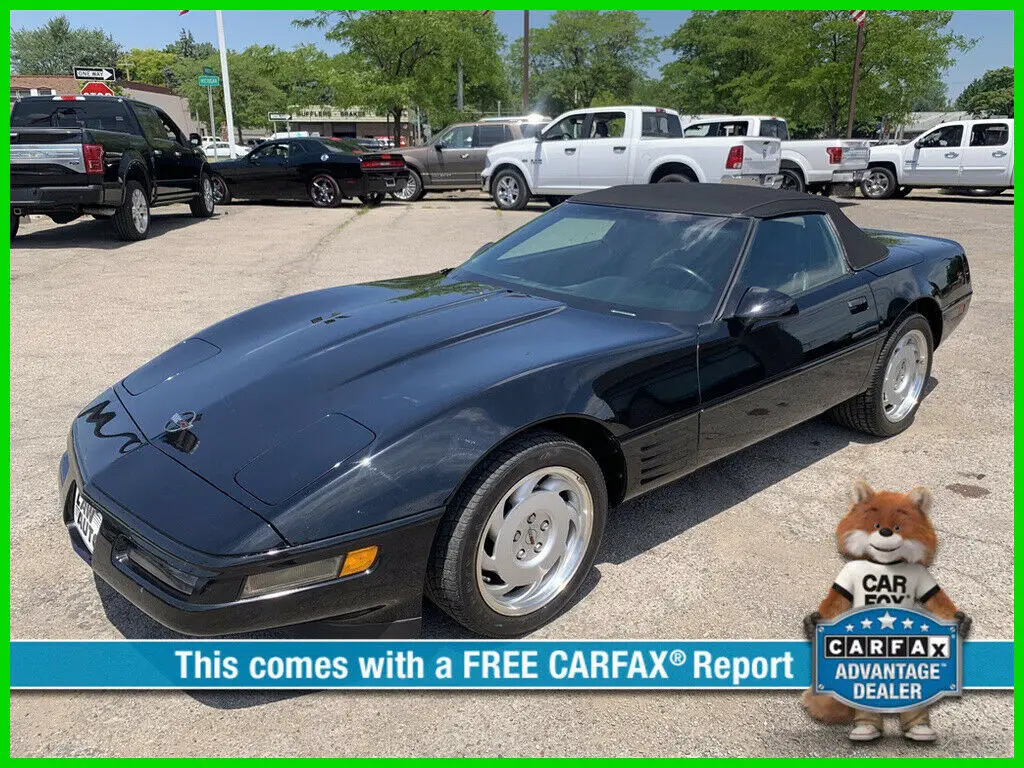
(94, 73)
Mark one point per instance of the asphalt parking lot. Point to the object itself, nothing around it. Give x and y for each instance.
(741, 549)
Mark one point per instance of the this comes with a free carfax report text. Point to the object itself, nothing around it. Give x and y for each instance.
(337, 454)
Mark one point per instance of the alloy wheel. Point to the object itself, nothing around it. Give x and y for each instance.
(904, 376)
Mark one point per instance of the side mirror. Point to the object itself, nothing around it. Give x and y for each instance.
(763, 304)
(439, 146)
(195, 139)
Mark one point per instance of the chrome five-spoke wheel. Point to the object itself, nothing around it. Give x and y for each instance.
(534, 541)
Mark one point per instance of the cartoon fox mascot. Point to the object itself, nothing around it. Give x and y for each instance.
(890, 542)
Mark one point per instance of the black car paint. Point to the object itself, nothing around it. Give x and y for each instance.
(250, 177)
(169, 171)
(441, 371)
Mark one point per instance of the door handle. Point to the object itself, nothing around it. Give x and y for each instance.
(952, 154)
(177, 153)
(158, 151)
(858, 304)
(464, 156)
(618, 149)
(570, 150)
(999, 153)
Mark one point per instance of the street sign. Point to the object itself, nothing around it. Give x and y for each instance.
(94, 73)
(209, 70)
(279, 116)
(209, 81)
(96, 89)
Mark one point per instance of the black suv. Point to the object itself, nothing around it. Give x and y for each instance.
(111, 157)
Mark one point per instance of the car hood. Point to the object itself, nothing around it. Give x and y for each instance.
(312, 376)
(513, 147)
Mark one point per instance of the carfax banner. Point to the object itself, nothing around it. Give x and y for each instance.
(425, 664)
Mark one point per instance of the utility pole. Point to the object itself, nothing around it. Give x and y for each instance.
(458, 96)
(526, 62)
(856, 77)
(213, 125)
(227, 85)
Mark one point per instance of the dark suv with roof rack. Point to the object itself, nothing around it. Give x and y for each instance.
(455, 158)
(109, 157)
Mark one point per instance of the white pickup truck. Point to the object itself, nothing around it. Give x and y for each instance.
(967, 154)
(808, 165)
(601, 147)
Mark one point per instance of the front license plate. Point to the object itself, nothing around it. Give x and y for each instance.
(87, 520)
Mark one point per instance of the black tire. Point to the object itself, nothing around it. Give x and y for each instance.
(15, 223)
(372, 199)
(903, 191)
(126, 225)
(451, 570)
(413, 190)
(509, 190)
(866, 411)
(792, 180)
(203, 205)
(221, 193)
(555, 200)
(324, 191)
(879, 183)
(676, 178)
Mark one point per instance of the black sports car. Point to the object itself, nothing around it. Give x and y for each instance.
(323, 171)
(464, 433)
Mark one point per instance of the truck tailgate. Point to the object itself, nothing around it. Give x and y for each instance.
(760, 155)
(47, 157)
(855, 154)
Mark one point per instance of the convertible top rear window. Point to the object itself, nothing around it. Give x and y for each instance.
(618, 259)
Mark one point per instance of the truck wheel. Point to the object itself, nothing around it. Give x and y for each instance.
(221, 193)
(202, 206)
(675, 178)
(792, 180)
(520, 537)
(509, 190)
(902, 191)
(324, 191)
(555, 200)
(372, 199)
(15, 221)
(413, 189)
(897, 382)
(879, 184)
(131, 220)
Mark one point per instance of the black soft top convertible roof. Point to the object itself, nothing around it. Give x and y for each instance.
(741, 200)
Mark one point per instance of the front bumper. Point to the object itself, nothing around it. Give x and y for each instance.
(197, 593)
(27, 200)
(771, 180)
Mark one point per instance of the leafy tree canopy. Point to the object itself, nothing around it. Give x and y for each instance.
(56, 48)
(990, 94)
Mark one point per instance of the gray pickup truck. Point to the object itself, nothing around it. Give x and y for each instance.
(455, 157)
(109, 157)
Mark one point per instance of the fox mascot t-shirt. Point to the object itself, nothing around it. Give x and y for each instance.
(863, 582)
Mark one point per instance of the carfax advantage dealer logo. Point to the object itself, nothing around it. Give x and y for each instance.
(887, 659)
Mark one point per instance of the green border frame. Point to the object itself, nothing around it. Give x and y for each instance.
(649, 5)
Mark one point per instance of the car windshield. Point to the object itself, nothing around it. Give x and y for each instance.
(617, 259)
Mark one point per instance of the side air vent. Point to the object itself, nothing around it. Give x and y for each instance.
(328, 319)
(662, 454)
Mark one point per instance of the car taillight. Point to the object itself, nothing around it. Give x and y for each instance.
(735, 159)
(385, 161)
(835, 155)
(93, 158)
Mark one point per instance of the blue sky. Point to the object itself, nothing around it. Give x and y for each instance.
(154, 29)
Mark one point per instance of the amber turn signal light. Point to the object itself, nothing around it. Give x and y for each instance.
(358, 560)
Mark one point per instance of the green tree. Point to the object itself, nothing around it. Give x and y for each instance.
(585, 58)
(991, 94)
(799, 63)
(932, 97)
(148, 65)
(186, 47)
(411, 57)
(56, 48)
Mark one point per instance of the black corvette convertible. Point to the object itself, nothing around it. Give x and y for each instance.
(323, 171)
(337, 454)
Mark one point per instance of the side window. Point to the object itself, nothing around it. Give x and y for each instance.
(268, 151)
(698, 130)
(776, 129)
(608, 125)
(661, 125)
(460, 137)
(489, 135)
(152, 126)
(990, 134)
(170, 129)
(738, 128)
(945, 136)
(794, 255)
(569, 127)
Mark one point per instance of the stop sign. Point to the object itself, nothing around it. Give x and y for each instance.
(96, 89)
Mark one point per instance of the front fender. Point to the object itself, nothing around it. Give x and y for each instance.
(510, 162)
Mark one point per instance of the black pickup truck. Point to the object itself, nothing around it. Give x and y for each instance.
(109, 157)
